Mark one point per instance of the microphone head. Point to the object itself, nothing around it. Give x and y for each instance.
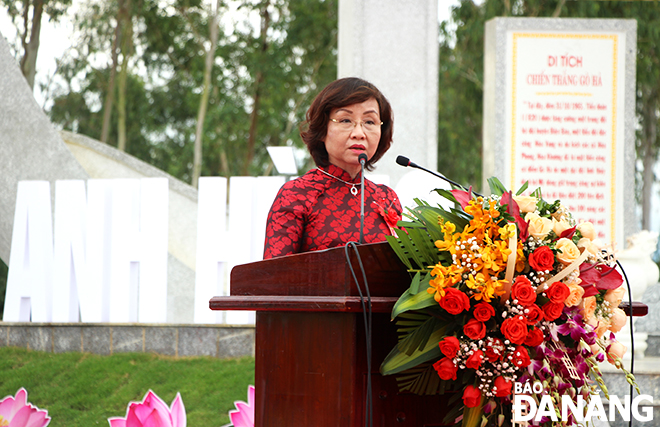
(403, 161)
(362, 158)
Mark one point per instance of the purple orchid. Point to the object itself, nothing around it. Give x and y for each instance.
(572, 327)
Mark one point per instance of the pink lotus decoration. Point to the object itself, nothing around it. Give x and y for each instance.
(16, 412)
(244, 415)
(152, 412)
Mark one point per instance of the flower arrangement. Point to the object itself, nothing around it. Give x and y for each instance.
(506, 289)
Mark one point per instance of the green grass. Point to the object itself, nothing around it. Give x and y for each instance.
(82, 389)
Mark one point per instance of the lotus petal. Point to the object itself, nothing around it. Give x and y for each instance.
(152, 412)
(15, 411)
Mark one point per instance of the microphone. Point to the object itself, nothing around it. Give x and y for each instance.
(362, 158)
(405, 162)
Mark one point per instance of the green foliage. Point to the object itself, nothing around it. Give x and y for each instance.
(296, 58)
(419, 343)
(81, 389)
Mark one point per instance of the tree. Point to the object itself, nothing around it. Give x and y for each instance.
(206, 89)
(169, 71)
(26, 16)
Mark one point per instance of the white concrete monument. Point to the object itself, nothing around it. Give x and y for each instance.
(394, 45)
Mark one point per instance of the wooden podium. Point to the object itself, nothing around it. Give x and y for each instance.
(311, 365)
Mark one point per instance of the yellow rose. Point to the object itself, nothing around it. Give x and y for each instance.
(588, 306)
(539, 226)
(600, 326)
(617, 320)
(567, 251)
(526, 203)
(616, 351)
(588, 245)
(614, 296)
(560, 226)
(575, 296)
(587, 230)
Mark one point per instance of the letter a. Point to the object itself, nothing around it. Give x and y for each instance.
(30, 263)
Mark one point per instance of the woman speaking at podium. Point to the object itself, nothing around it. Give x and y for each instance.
(321, 209)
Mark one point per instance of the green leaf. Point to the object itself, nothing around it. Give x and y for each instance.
(411, 300)
(398, 361)
(398, 250)
(421, 380)
(496, 186)
(523, 188)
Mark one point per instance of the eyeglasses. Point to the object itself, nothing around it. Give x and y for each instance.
(348, 125)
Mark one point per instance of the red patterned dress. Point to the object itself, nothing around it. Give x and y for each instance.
(317, 211)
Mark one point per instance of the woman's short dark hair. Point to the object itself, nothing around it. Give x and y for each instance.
(340, 93)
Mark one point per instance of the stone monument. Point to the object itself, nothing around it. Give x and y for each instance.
(559, 113)
(394, 45)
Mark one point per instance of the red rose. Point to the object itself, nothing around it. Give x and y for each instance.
(474, 329)
(558, 292)
(520, 357)
(390, 215)
(533, 314)
(522, 291)
(515, 329)
(534, 337)
(475, 359)
(483, 311)
(446, 368)
(471, 396)
(449, 346)
(503, 387)
(552, 310)
(454, 301)
(542, 259)
(494, 350)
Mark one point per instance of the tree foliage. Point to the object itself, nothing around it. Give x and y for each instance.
(284, 63)
(27, 16)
